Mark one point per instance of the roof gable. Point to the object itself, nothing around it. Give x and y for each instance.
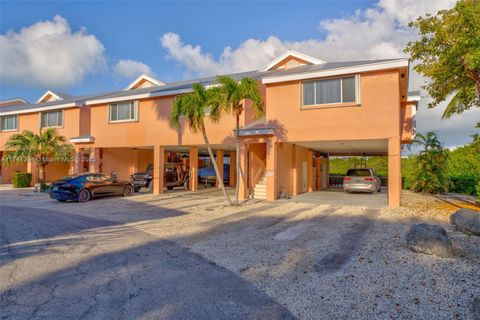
(291, 59)
(12, 102)
(144, 81)
(52, 96)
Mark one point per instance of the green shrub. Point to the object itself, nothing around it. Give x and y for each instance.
(478, 189)
(464, 184)
(21, 179)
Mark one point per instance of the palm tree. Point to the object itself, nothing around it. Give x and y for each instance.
(40, 148)
(193, 107)
(431, 163)
(232, 93)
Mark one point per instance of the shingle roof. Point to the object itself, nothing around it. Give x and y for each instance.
(330, 66)
(186, 84)
(62, 95)
(33, 106)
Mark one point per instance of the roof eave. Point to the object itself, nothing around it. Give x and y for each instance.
(36, 109)
(337, 71)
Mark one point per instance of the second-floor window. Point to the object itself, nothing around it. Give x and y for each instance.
(123, 111)
(330, 91)
(52, 119)
(9, 123)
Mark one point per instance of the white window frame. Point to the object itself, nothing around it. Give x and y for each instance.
(357, 101)
(62, 113)
(8, 116)
(135, 111)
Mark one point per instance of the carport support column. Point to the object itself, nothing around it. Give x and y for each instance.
(77, 161)
(134, 167)
(242, 186)
(219, 160)
(233, 168)
(310, 173)
(193, 158)
(94, 160)
(271, 170)
(158, 169)
(32, 168)
(394, 172)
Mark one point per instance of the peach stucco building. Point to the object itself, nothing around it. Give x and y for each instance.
(314, 110)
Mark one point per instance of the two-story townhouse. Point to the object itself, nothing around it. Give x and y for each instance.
(52, 110)
(314, 110)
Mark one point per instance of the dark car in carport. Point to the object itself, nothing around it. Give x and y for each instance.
(83, 187)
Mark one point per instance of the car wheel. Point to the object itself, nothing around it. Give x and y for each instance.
(84, 195)
(170, 187)
(61, 200)
(127, 191)
(186, 185)
(137, 189)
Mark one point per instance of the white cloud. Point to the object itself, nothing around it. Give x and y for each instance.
(131, 69)
(374, 33)
(49, 54)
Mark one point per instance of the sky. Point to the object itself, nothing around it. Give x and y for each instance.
(90, 47)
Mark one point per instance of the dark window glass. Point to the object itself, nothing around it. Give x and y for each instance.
(358, 173)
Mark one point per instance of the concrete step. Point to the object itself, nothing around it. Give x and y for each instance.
(260, 192)
(260, 197)
(260, 188)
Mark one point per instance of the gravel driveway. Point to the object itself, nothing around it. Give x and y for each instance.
(186, 256)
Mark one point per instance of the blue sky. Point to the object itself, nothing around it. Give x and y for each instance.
(91, 47)
(131, 30)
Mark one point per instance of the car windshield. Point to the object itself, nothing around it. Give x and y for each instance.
(358, 173)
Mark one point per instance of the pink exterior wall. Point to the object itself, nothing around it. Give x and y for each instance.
(377, 117)
(76, 121)
(153, 127)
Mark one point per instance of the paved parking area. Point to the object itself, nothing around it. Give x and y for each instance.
(336, 197)
(187, 256)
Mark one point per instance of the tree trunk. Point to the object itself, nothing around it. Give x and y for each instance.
(237, 169)
(217, 173)
(41, 175)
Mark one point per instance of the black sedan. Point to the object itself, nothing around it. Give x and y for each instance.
(83, 187)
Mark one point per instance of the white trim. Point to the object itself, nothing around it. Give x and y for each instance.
(82, 140)
(34, 109)
(16, 123)
(40, 116)
(291, 53)
(14, 99)
(135, 112)
(413, 98)
(138, 96)
(49, 92)
(337, 71)
(341, 103)
(146, 78)
(358, 90)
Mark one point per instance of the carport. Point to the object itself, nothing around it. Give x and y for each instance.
(303, 167)
(193, 160)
